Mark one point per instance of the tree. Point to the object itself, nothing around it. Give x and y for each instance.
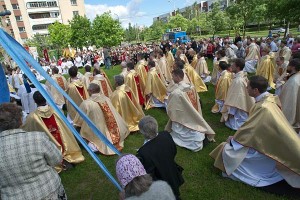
(130, 33)
(106, 31)
(244, 10)
(178, 21)
(60, 35)
(40, 42)
(217, 20)
(80, 31)
(155, 31)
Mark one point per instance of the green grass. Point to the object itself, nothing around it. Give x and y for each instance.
(202, 180)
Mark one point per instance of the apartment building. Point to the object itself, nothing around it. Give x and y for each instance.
(29, 17)
(203, 6)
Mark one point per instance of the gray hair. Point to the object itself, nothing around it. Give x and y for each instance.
(10, 116)
(94, 88)
(119, 79)
(148, 127)
(138, 185)
(123, 64)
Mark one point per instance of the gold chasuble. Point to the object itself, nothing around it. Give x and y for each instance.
(265, 129)
(201, 67)
(184, 58)
(290, 100)
(222, 87)
(195, 79)
(105, 88)
(237, 95)
(133, 81)
(100, 110)
(126, 103)
(194, 61)
(44, 119)
(266, 68)
(87, 78)
(58, 98)
(77, 91)
(170, 60)
(165, 70)
(141, 69)
(154, 88)
(186, 111)
(216, 70)
(107, 79)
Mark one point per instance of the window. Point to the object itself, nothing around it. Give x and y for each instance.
(15, 6)
(40, 27)
(12, 32)
(75, 13)
(54, 14)
(51, 4)
(22, 29)
(4, 7)
(8, 22)
(42, 4)
(19, 18)
(74, 2)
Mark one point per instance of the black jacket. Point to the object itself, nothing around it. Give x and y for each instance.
(158, 158)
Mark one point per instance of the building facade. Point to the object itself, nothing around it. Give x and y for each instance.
(29, 17)
(202, 6)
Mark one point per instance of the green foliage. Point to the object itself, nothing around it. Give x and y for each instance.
(178, 21)
(106, 31)
(80, 31)
(40, 42)
(130, 33)
(217, 20)
(60, 34)
(155, 31)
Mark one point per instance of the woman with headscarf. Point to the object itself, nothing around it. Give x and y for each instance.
(137, 184)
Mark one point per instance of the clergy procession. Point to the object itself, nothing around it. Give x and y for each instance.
(152, 103)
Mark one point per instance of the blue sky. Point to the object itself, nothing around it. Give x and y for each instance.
(140, 12)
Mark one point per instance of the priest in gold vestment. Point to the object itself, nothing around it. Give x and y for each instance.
(170, 58)
(201, 68)
(76, 90)
(45, 119)
(141, 69)
(133, 80)
(290, 95)
(155, 91)
(266, 66)
(102, 113)
(186, 124)
(220, 56)
(58, 98)
(252, 56)
(194, 78)
(252, 155)
(162, 64)
(222, 87)
(126, 103)
(88, 76)
(238, 102)
(102, 82)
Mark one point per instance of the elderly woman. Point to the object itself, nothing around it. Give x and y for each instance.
(137, 184)
(158, 155)
(26, 160)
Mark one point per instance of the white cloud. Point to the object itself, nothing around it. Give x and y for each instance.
(125, 13)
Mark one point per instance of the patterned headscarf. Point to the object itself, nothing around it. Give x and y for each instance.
(127, 168)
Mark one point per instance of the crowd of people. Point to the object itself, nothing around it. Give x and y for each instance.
(263, 108)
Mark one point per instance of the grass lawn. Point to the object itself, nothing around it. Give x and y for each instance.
(202, 180)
